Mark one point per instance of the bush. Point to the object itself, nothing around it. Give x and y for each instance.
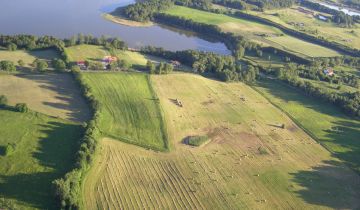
(9, 149)
(21, 63)
(75, 69)
(11, 47)
(263, 150)
(58, 64)
(3, 100)
(196, 140)
(7, 66)
(40, 65)
(21, 107)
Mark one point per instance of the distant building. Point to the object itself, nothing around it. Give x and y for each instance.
(329, 72)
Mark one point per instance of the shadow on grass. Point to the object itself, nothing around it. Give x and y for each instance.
(344, 135)
(332, 185)
(55, 156)
(69, 95)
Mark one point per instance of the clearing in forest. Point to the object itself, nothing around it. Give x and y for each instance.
(251, 162)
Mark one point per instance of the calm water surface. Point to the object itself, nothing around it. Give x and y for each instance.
(65, 18)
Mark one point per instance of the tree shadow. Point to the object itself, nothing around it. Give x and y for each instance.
(331, 184)
(343, 139)
(69, 94)
(55, 154)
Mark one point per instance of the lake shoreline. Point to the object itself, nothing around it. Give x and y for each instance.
(126, 22)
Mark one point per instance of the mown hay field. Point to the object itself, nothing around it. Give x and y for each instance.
(44, 150)
(334, 129)
(249, 163)
(56, 95)
(252, 29)
(129, 108)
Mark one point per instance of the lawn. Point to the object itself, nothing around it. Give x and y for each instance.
(231, 171)
(129, 109)
(251, 30)
(57, 95)
(336, 131)
(45, 150)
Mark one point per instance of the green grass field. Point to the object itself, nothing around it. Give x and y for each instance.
(129, 108)
(45, 150)
(231, 171)
(336, 131)
(86, 52)
(250, 29)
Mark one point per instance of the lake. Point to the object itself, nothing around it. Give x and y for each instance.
(65, 18)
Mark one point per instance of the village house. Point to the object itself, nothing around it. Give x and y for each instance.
(81, 65)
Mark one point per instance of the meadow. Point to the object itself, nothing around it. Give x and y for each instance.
(129, 109)
(28, 57)
(329, 125)
(54, 94)
(254, 31)
(249, 163)
(290, 16)
(45, 150)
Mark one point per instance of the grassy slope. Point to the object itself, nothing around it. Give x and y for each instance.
(227, 173)
(27, 56)
(250, 28)
(86, 52)
(45, 151)
(54, 94)
(335, 130)
(129, 109)
(328, 30)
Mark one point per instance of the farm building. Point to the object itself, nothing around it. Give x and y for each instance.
(329, 72)
(81, 64)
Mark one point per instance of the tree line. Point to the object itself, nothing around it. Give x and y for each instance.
(349, 102)
(225, 68)
(68, 188)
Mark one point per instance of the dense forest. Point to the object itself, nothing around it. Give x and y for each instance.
(143, 11)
